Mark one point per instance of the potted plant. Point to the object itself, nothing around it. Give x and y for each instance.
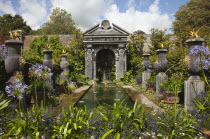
(172, 87)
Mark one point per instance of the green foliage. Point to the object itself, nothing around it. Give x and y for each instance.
(198, 15)
(60, 22)
(37, 46)
(174, 83)
(3, 103)
(175, 58)
(158, 37)
(135, 51)
(77, 54)
(9, 23)
(74, 119)
(127, 79)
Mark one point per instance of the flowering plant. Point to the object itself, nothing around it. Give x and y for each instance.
(203, 60)
(16, 89)
(3, 52)
(40, 72)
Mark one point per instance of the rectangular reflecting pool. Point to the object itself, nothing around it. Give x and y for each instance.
(104, 94)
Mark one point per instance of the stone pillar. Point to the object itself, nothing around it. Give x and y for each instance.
(194, 85)
(146, 74)
(94, 66)
(120, 67)
(89, 61)
(117, 65)
(162, 66)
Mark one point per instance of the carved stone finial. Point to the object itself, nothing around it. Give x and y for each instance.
(105, 24)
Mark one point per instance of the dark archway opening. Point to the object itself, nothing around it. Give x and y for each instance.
(105, 65)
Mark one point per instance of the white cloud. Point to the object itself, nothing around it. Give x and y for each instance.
(6, 7)
(86, 13)
(133, 19)
(34, 12)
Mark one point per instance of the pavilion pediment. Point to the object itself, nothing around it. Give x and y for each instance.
(106, 32)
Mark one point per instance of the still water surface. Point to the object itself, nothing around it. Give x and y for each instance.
(104, 94)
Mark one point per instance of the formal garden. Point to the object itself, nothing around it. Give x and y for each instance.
(42, 87)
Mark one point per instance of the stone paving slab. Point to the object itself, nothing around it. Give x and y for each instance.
(65, 100)
(140, 98)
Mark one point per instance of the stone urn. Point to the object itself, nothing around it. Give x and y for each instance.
(193, 68)
(64, 63)
(146, 62)
(48, 58)
(12, 62)
(64, 66)
(162, 61)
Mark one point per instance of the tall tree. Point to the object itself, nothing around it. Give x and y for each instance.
(9, 22)
(192, 16)
(60, 22)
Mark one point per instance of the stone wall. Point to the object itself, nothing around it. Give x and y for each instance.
(64, 39)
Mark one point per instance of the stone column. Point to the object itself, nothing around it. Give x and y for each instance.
(121, 63)
(194, 85)
(117, 65)
(162, 66)
(146, 74)
(89, 61)
(94, 66)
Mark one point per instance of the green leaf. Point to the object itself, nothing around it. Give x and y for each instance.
(117, 136)
(107, 133)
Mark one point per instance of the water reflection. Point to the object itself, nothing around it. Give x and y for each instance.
(104, 94)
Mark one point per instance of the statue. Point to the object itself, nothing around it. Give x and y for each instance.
(15, 34)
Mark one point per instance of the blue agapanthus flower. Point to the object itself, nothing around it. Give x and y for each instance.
(203, 60)
(16, 89)
(199, 50)
(40, 72)
(3, 52)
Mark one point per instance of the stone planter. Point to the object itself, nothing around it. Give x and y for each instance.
(64, 63)
(146, 62)
(162, 66)
(12, 62)
(146, 74)
(170, 97)
(194, 85)
(48, 58)
(193, 68)
(162, 61)
(64, 66)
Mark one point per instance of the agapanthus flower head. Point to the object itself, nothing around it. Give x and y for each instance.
(159, 63)
(40, 72)
(203, 60)
(16, 89)
(3, 52)
(199, 51)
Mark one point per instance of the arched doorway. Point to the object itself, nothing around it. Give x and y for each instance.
(105, 65)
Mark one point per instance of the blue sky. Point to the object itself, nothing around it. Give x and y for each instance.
(131, 15)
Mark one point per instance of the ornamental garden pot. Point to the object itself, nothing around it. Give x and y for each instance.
(194, 69)
(162, 61)
(64, 63)
(171, 97)
(48, 58)
(147, 64)
(12, 62)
